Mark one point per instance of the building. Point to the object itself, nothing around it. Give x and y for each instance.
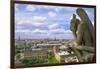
(40, 51)
(64, 56)
(48, 46)
(36, 53)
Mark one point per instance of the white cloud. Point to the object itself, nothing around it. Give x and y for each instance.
(61, 34)
(52, 14)
(53, 26)
(38, 24)
(57, 31)
(35, 31)
(39, 19)
(38, 31)
(35, 20)
(41, 34)
(55, 8)
(68, 31)
(30, 8)
(71, 8)
(22, 21)
(22, 31)
(47, 7)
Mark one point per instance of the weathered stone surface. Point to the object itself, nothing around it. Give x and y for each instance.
(85, 29)
(83, 44)
(74, 25)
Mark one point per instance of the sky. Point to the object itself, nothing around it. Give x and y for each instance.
(43, 22)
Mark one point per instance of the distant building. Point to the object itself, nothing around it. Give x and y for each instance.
(48, 46)
(40, 51)
(36, 53)
(64, 56)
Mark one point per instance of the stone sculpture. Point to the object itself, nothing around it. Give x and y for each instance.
(74, 25)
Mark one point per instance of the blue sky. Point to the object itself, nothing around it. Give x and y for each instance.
(41, 21)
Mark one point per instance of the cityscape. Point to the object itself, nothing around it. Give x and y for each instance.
(43, 35)
(44, 51)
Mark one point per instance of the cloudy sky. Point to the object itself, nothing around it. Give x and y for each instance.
(42, 22)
